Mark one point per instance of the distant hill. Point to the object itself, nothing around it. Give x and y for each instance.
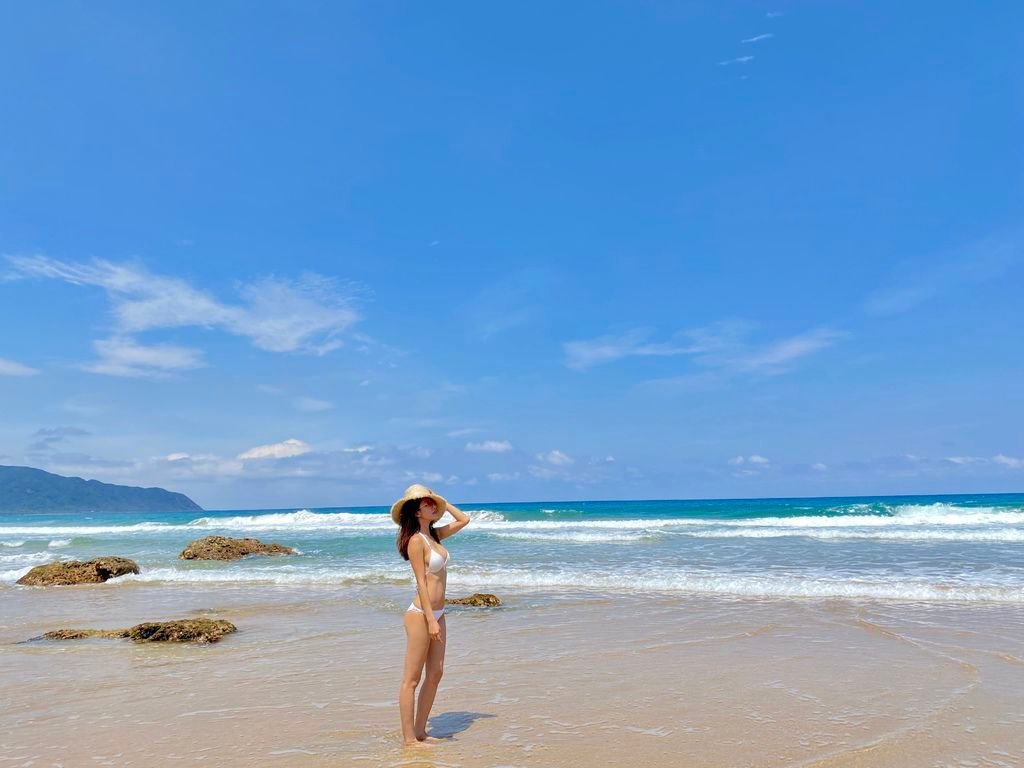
(24, 489)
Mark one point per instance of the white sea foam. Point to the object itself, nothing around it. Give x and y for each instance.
(283, 575)
(57, 543)
(27, 557)
(744, 585)
(578, 537)
(992, 535)
(815, 585)
(86, 530)
(301, 520)
(17, 543)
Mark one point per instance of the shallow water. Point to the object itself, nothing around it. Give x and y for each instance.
(551, 678)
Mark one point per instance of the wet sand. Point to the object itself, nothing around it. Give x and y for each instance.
(311, 679)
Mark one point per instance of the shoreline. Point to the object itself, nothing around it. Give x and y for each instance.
(552, 678)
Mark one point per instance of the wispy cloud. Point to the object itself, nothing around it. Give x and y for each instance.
(633, 343)
(123, 356)
(47, 438)
(489, 446)
(514, 300)
(722, 347)
(1000, 459)
(776, 356)
(737, 60)
(311, 404)
(758, 38)
(556, 457)
(919, 281)
(745, 466)
(754, 458)
(283, 450)
(12, 368)
(309, 314)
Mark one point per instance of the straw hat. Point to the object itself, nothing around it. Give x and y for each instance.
(416, 491)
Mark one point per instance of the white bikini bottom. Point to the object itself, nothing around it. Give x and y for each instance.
(437, 614)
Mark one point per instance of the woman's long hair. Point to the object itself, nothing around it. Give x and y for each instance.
(410, 526)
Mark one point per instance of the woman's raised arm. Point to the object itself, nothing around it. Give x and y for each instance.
(461, 521)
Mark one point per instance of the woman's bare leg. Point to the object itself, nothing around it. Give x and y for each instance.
(435, 669)
(417, 642)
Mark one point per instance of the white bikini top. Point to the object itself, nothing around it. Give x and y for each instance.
(437, 563)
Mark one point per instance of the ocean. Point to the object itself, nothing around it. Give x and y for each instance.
(962, 549)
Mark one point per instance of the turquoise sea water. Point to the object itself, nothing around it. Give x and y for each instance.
(921, 548)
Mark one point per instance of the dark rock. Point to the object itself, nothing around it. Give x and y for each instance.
(75, 572)
(477, 600)
(226, 548)
(180, 631)
(78, 634)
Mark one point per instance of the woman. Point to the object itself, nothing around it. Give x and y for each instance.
(420, 543)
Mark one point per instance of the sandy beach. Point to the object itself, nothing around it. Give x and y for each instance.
(561, 679)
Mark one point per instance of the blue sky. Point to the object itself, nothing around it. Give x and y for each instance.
(283, 255)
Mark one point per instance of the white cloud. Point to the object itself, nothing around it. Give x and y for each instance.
(358, 449)
(774, 357)
(721, 347)
(12, 368)
(189, 466)
(308, 314)
(965, 460)
(501, 477)
(605, 349)
(758, 38)
(464, 432)
(282, 450)
(1001, 459)
(737, 60)
(513, 300)
(755, 460)
(489, 446)
(921, 280)
(311, 404)
(123, 356)
(555, 457)
(1008, 461)
(819, 467)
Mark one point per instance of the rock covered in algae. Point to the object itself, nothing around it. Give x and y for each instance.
(227, 548)
(477, 600)
(77, 572)
(179, 631)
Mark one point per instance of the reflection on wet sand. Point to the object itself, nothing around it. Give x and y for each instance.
(311, 678)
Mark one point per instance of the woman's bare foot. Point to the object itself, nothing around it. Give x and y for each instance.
(424, 737)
